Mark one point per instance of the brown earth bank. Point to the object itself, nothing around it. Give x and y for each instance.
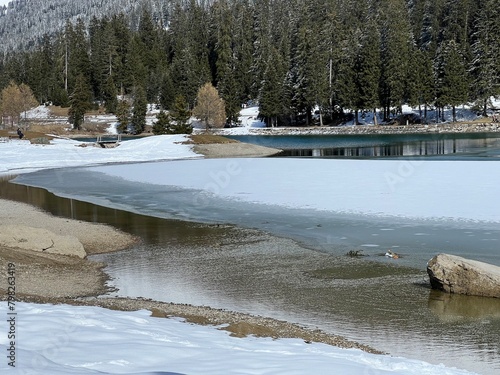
(41, 277)
(234, 150)
(216, 146)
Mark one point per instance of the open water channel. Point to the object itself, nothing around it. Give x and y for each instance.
(291, 264)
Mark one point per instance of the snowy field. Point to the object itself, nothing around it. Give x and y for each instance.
(69, 340)
(19, 156)
(86, 340)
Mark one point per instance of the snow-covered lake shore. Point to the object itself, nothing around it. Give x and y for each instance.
(61, 339)
(134, 343)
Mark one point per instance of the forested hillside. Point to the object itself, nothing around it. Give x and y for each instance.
(293, 56)
(24, 22)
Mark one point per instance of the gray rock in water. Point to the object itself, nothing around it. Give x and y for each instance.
(454, 274)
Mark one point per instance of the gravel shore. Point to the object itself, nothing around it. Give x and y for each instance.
(62, 279)
(441, 128)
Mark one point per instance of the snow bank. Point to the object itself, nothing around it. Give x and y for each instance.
(21, 156)
(38, 113)
(70, 340)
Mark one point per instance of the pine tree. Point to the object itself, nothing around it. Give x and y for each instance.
(175, 122)
(272, 90)
(344, 91)
(43, 78)
(80, 102)
(309, 64)
(153, 58)
(261, 44)
(163, 124)
(333, 33)
(78, 61)
(485, 65)
(225, 62)
(452, 86)
(140, 108)
(122, 35)
(190, 63)
(455, 22)
(428, 33)
(123, 115)
(109, 95)
(396, 42)
(243, 49)
(368, 68)
(103, 46)
(149, 39)
(423, 81)
(137, 70)
(167, 89)
(181, 116)
(60, 94)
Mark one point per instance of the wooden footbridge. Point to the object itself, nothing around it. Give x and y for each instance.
(108, 141)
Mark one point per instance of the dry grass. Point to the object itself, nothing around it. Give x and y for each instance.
(57, 129)
(479, 120)
(92, 128)
(204, 139)
(58, 111)
(38, 129)
(29, 135)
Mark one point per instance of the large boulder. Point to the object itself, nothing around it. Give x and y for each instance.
(454, 274)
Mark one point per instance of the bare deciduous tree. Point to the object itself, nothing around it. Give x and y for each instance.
(210, 108)
(15, 100)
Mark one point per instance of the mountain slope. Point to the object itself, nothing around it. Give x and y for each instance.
(24, 22)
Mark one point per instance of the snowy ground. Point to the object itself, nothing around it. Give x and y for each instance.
(85, 340)
(52, 340)
(19, 156)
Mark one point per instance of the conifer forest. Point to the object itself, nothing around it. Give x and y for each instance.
(292, 57)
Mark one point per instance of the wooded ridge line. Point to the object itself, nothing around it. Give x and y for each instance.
(293, 58)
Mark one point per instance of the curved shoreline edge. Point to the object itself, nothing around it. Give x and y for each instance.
(44, 278)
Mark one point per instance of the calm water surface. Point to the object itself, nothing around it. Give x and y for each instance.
(301, 275)
(480, 145)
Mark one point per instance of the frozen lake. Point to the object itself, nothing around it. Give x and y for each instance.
(302, 275)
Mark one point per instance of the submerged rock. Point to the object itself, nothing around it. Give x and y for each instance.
(454, 274)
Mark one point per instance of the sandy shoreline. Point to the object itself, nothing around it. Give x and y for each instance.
(232, 150)
(58, 279)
